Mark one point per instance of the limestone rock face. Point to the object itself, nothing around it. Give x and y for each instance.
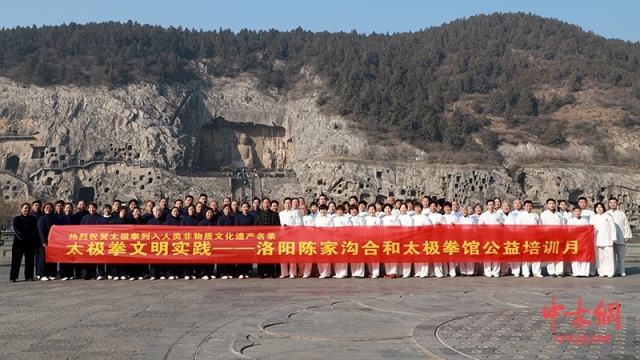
(147, 141)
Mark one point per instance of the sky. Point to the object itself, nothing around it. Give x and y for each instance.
(611, 19)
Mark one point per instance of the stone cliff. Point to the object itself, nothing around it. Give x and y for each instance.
(146, 141)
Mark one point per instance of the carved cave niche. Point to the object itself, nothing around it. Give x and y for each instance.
(223, 143)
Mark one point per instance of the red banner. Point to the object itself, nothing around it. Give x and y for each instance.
(269, 244)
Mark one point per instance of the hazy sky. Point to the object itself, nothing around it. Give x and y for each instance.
(611, 19)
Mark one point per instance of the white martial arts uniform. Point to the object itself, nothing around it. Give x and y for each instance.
(390, 220)
(437, 218)
(305, 269)
(605, 234)
(406, 220)
(324, 268)
(623, 231)
(342, 269)
(567, 215)
(357, 269)
(467, 268)
(491, 268)
(586, 214)
(374, 268)
(529, 218)
(450, 268)
(554, 268)
(579, 268)
(421, 269)
(289, 218)
(509, 219)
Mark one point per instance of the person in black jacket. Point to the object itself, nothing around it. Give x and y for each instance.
(137, 271)
(89, 270)
(267, 218)
(36, 209)
(66, 270)
(190, 219)
(118, 271)
(25, 229)
(157, 271)
(226, 271)
(44, 270)
(206, 270)
(172, 269)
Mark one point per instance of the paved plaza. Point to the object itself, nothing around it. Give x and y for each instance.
(451, 318)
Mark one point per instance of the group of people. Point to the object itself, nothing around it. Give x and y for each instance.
(31, 231)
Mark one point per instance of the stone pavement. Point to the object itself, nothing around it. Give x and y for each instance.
(484, 318)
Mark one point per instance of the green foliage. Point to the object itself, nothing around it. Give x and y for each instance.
(553, 136)
(477, 107)
(403, 81)
(458, 127)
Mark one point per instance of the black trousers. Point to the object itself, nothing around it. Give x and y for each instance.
(20, 249)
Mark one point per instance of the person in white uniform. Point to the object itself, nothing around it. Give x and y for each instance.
(466, 268)
(528, 217)
(623, 235)
(455, 208)
(391, 269)
(362, 209)
(342, 269)
(357, 269)
(405, 220)
(563, 208)
(323, 220)
(490, 217)
(450, 219)
(605, 238)
(420, 219)
(436, 218)
(553, 217)
(508, 219)
(289, 217)
(307, 220)
(579, 268)
(373, 220)
(586, 213)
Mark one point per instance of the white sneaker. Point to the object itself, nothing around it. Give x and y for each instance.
(64, 279)
(230, 276)
(193, 277)
(44, 278)
(292, 276)
(305, 277)
(163, 278)
(525, 275)
(282, 276)
(539, 276)
(187, 278)
(516, 275)
(225, 277)
(123, 278)
(240, 276)
(623, 274)
(213, 276)
(115, 278)
(140, 278)
(374, 276)
(205, 277)
(100, 278)
(152, 278)
(132, 278)
(321, 277)
(109, 277)
(52, 278)
(171, 278)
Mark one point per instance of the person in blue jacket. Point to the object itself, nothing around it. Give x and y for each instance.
(244, 218)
